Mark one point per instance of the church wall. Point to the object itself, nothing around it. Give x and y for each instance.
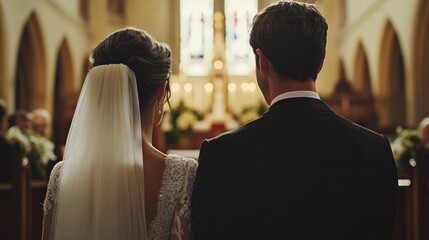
(350, 23)
(70, 7)
(368, 27)
(101, 22)
(329, 74)
(161, 19)
(152, 16)
(55, 25)
(14, 15)
(158, 17)
(420, 71)
(357, 9)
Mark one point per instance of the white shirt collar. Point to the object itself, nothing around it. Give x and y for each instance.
(295, 94)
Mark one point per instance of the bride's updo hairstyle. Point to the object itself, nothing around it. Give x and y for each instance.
(149, 59)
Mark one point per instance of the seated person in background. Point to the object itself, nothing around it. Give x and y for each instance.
(6, 149)
(41, 127)
(41, 122)
(35, 148)
(22, 119)
(424, 132)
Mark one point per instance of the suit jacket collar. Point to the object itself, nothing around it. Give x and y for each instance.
(298, 104)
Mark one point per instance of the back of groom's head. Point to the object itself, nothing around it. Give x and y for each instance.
(292, 36)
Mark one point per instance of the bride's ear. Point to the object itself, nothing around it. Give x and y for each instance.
(160, 92)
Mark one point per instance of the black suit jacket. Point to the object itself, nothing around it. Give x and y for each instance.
(299, 172)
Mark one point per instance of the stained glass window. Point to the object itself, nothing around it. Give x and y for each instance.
(196, 36)
(238, 18)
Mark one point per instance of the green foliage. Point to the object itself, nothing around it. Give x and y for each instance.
(404, 148)
(183, 118)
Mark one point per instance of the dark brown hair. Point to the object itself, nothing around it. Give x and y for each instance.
(149, 59)
(292, 36)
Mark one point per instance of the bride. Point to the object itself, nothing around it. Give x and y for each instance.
(113, 184)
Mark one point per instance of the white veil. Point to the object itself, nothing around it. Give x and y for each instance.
(101, 194)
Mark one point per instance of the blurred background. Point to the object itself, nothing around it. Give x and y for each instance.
(376, 73)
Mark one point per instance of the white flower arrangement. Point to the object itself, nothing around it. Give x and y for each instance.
(37, 149)
(44, 148)
(251, 113)
(18, 139)
(248, 116)
(186, 120)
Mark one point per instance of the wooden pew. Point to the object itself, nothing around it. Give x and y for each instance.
(421, 210)
(403, 219)
(21, 209)
(36, 196)
(412, 212)
(14, 201)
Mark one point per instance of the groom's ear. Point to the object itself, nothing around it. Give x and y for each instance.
(264, 64)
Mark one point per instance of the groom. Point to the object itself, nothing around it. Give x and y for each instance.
(300, 171)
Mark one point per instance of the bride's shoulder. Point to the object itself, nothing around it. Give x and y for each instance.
(56, 170)
(177, 160)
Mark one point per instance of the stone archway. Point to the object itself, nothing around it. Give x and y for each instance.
(63, 95)
(363, 101)
(361, 79)
(30, 83)
(421, 62)
(392, 99)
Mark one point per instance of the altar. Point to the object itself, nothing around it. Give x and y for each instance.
(215, 89)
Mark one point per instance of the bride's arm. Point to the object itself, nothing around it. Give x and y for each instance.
(182, 225)
(50, 200)
(47, 219)
(181, 229)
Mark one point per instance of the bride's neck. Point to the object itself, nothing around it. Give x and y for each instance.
(147, 133)
(148, 149)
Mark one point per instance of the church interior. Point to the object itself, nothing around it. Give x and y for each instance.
(375, 73)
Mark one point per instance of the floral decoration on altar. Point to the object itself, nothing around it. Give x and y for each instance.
(182, 120)
(404, 148)
(251, 113)
(185, 120)
(35, 149)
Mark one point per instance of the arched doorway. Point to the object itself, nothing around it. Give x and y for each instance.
(391, 104)
(362, 80)
(30, 83)
(421, 53)
(363, 102)
(63, 95)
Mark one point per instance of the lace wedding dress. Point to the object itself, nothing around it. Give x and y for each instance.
(172, 220)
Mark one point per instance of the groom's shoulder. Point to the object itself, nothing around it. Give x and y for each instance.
(242, 133)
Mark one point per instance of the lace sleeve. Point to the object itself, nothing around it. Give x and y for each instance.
(51, 199)
(181, 229)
